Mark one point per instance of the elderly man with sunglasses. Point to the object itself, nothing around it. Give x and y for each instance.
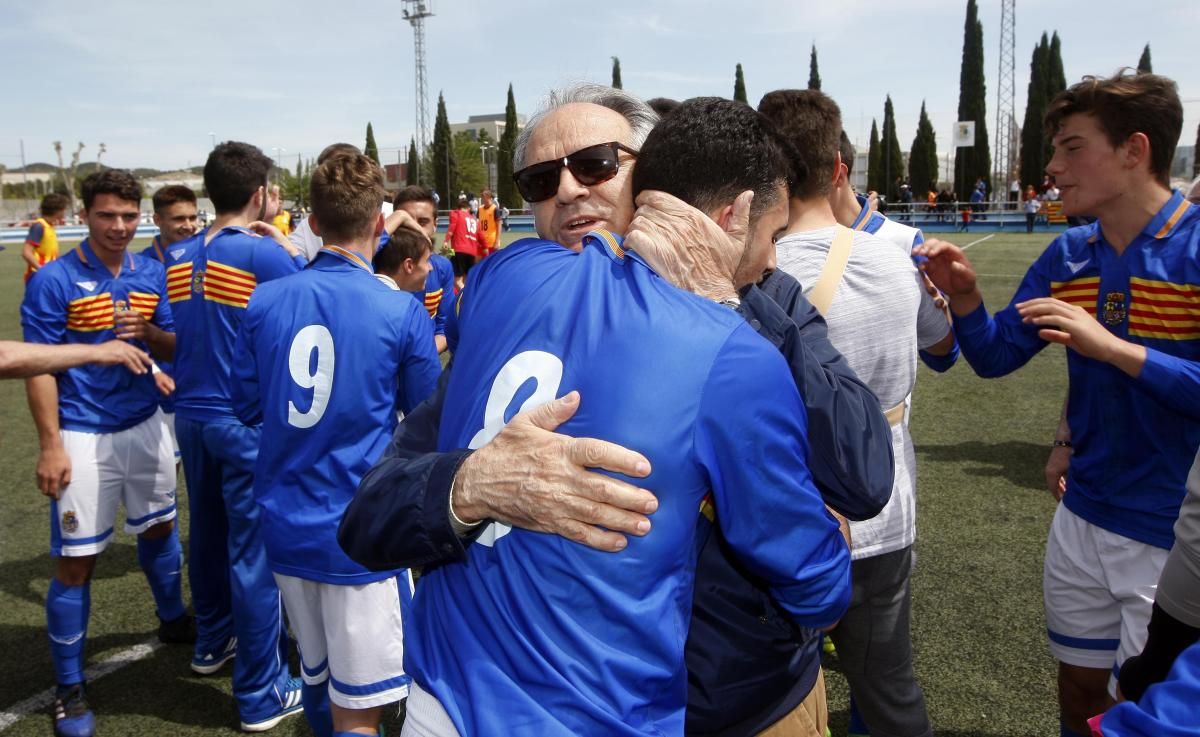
(528, 476)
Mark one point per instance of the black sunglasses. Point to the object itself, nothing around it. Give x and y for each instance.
(590, 166)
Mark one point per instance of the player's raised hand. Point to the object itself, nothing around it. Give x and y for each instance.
(1071, 325)
(118, 352)
(531, 477)
(950, 271)
(687, 247)
(53, 471)
(401, 219)
(267, 230)
(131, 325)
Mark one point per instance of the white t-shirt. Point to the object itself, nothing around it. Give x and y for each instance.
(309, 242)
(879, 317)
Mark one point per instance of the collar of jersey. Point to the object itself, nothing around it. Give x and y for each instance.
(608, 242)
(1171, 214)
(87, 256)
(347, 256)
(860, 222)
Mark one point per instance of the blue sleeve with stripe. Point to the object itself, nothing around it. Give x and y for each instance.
(1001, 344)
(44, 310)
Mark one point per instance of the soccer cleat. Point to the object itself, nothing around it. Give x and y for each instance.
(179, 631)
(211, 662)
(72, 717)
(292, 704)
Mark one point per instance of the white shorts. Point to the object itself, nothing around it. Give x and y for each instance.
(134, 467)
(1098, 588)
(426, 717)
(352, 636)
(169, 421)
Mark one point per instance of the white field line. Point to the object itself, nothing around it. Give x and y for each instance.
(981, 240)
(38, 702)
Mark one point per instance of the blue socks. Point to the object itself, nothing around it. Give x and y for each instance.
(856, 726)
(316, 708)
(1063, 731)
(162, 562)
(67, 610)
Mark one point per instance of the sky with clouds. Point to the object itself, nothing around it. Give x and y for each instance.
(154, 80)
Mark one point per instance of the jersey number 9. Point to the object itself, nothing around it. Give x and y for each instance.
(300, 363)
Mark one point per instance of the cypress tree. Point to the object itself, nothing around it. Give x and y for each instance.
(874, 161)
(1144, 65)
(922, 158)
(414, 164)
(616, 81)
(814, 76)
(506, 189)
(1056, 79)
(371, 149)
(1033, 140)
(445, 169)
(893, 156)
(739, 86)
(974, 162)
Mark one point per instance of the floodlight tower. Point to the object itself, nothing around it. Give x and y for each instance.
(1006, 124)
(415, 12)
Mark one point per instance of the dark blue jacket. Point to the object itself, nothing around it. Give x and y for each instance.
(748, 664)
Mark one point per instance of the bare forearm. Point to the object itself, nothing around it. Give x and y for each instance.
(160, 342)
(42, 393)
(22, 360)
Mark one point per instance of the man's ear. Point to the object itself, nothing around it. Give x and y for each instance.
(379, 221)
(409, 266)
(314, 225)
(722, 216)
(841, 172)
(1137, 150)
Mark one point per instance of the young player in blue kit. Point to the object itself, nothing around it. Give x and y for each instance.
(535, 634)
(327, 358)
(438, 294)
(210, 278)
(102, 438)
(1122, 294)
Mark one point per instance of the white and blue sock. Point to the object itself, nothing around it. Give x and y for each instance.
(67, 610)
(162, 562)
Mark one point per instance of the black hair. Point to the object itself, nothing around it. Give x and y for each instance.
(812, 123)
(403, 244)
(233, 173)
(414, 193)
(664, 106)
(117, 182)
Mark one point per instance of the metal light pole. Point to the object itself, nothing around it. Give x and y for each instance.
(213, 137)
(415, 12)
(487, 169)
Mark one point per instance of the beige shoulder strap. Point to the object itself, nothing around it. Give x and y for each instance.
(822, 292)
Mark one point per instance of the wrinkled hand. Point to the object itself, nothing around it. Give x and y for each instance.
(118, 352)
(401, 219)
(1056, 471)
(165, 384)
(130, 325)
(53, 471)
(267, 230)
(688, 248)
(1069, 324)
(531, 477)
(950, 271)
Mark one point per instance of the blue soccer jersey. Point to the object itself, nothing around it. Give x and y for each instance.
(438, 295)
(537, 635)
(74, 299)
(1135, 438)
(155, 252)
(325, 359)
(209, 287)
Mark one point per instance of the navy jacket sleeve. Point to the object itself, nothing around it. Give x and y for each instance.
(850, 442)
(399, 518)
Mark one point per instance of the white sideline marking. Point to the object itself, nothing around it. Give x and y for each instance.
(38, 702)
(981, 240)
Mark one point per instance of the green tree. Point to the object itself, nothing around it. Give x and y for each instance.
(1033, 140)
(294, 187)
(922, 158)
(1144, 66)
(1056, 79)
(814, 77)
(506, 189)
(974, 162)
(414, 164)
(739, 85)
(616, 77)
(371, 149)
(893, 155)
(472, 176)
(441, 156)
(874, 161)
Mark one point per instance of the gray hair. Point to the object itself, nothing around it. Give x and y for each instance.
(640, 116)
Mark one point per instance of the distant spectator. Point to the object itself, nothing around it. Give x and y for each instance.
(1014, 190)
(1031, 206)
(1052, 194)
(41, 243)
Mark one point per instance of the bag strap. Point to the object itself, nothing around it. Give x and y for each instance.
(822, 292)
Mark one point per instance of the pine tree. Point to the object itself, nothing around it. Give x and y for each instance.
(506, 189)
(1144, 65)
(875, 176)
(974, 162)
(814, 77)
(412, 173)
(922, 158)
(1033, 139)
(893, 156)
(371, 149)
(739, 85)
(445, 169)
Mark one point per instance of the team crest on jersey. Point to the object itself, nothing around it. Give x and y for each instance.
(1114, 308)
(87, 286)
(70, 523)
(198, 282)
(121, 305)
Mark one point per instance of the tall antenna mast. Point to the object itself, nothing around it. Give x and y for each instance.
(1006, 124)
(415, 12)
